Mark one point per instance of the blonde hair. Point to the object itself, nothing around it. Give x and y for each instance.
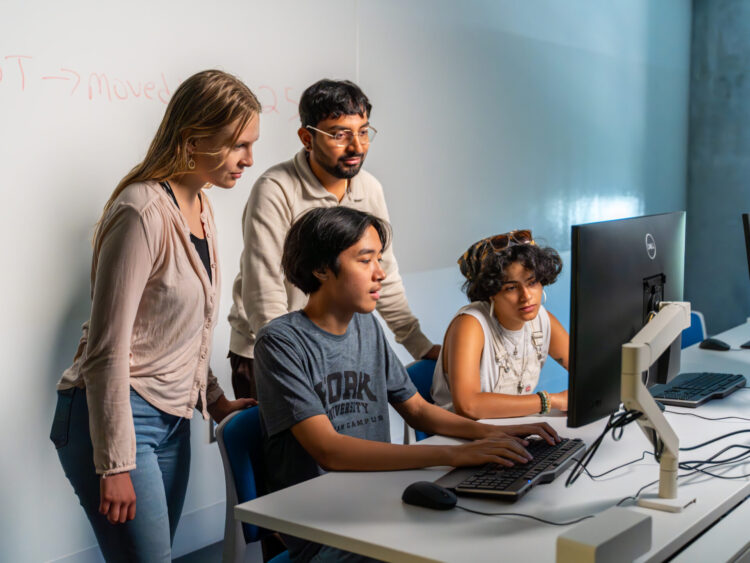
(202, 105)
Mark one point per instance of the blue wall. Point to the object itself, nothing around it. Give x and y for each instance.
(719, 172)
(503, 114)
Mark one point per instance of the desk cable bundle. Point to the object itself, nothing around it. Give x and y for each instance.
(618, 421)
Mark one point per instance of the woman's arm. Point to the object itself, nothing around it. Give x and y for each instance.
(559, 342)
(123, 257)
(464, 343)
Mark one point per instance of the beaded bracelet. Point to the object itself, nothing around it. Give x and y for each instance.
(546, 404)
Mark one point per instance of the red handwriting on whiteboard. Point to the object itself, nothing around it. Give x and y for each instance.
(24, 72)
(99, 85)
(20, 67)
(273, 106)
(66, 71)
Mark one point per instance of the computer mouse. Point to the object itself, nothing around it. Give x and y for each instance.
(714, 344)
(429, 495)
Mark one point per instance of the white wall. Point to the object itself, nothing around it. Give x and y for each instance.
(492, 115)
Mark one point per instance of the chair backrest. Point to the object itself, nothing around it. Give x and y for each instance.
(241, 447)
(420, 373)
(696, 332)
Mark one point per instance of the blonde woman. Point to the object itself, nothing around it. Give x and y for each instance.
(121, 426)
(495, 347)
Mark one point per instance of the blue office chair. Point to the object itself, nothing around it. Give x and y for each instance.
(241, 448)
(420, 373)
(696, 332)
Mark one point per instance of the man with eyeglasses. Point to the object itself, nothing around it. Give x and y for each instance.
(336, 135)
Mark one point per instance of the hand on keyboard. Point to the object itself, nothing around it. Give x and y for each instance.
(511, 483)
(541, 429)
(506, 451)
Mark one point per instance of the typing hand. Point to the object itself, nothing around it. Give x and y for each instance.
(506, 451)
(541, 429)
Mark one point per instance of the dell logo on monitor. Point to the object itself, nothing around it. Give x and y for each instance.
(650, 246)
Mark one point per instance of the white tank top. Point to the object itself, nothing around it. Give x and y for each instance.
(500, 370)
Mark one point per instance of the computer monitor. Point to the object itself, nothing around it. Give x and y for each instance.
(621, 270)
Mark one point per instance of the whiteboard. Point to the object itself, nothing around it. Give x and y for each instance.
(83, 87)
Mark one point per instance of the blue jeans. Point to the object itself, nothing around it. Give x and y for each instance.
(160, 478)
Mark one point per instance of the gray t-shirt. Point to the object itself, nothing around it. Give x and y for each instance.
(304, 371)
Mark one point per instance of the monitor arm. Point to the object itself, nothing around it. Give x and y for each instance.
(637, 356)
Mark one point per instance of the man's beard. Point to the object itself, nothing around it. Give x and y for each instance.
(340, 170)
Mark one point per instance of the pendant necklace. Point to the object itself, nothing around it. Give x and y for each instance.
(499, 337)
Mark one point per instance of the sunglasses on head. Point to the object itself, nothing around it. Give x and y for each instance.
(503, 241)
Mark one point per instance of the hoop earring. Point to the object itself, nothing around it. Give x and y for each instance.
(544, 297)
(191, 164)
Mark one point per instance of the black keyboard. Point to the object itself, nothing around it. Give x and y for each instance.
(693, 389)
(511, 483)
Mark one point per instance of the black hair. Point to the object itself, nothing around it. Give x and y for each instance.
(331, 99)
(316, 239)
(544, 261)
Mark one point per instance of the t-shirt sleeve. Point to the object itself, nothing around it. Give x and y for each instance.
(399, 385)
(285, 391)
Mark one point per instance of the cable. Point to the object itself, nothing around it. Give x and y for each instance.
(518, 514)
(694, 466)
(595, 477)
(708, 418)
(615, 423)
(635, 497)
(712, 440)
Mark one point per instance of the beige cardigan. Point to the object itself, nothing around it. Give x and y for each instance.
(261, 293)
(153, 310)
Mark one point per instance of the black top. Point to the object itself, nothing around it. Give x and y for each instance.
(200, 244)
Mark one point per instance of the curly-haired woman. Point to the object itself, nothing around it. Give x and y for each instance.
(495, 347)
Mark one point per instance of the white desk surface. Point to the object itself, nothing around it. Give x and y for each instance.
(363, 512)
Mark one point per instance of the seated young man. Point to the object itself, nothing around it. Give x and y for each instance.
(326, 373)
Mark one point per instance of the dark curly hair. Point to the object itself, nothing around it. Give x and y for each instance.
(544, 261)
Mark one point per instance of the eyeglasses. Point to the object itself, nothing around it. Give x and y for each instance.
(501, 242)
(345, 137)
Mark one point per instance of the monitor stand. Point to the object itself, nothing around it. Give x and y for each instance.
(637, 356)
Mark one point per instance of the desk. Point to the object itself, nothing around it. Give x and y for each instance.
(363, 512)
